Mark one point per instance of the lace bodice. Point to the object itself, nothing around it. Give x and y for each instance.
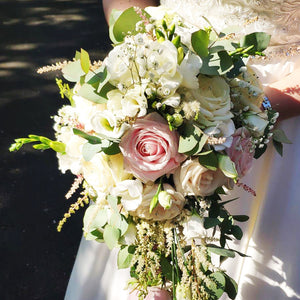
(280, 18)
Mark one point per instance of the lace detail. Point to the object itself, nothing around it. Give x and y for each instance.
(280, 18)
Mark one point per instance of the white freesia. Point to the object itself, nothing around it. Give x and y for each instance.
(223, 130)
(130, 192)
(107, 124)
(214, 97)
(257, 123)
(164, 199)
(159, 213)
(191, 178)
(71, 160)
(103, 172)
(189, 69)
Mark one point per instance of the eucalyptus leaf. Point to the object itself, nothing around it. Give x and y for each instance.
(280, 136)
(231, 287)
(220, 286)
(260, 41)
(211, 222)
(241, 218)
(90, 138)
(125, 23)
(220, 251)
(88, 92)
(111, 236)
(227, 166)
(94, 219)
(209, 160)
(112, 149)
(85, 61)
(189, 138)
(278, 147)
(73, 71)
(226, 63)
(125, 256)
(237, 232)
(89, 150)
(113, 202)
(200, 41)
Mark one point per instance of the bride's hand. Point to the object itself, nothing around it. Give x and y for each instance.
(108, 5)
(284, 95)
(155, 293)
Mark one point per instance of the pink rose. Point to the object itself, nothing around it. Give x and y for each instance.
(241, 152)
(150, 149)
(155, 293)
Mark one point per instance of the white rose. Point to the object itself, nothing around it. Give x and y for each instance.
(71, 160)
(191, 178)
(159, 212)
(85, 109)
(223, 130)
(134, 102)
(103, 171)
(189, 69)
(107, 124)
(257, 123)
(130, 192)
(214, 97)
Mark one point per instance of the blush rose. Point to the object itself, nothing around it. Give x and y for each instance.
(150, 149)
(241, 152)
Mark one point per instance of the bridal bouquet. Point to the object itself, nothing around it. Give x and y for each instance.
(155, 134)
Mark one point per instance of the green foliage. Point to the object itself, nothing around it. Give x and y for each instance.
(258, 41)
(111, 236)
(200, 41)
(227, 166)
(122, 23)
(85, 61)
(217, 286)
(43, 143)
(220, 251)
(73, 71)
(209, 160)
(231, 287)
(64, 90)
(125, 256)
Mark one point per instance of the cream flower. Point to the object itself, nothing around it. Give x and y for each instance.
(256, 123)
(130, 192)
(159, 213)
(214, 97)
(103, 171)
(71, 160)
(191, 178)
(107, 124)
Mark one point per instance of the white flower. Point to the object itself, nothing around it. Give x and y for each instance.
(164, 199)
(189, 69)
(103, 171)
(223, 130)
(71, 160)
(107, 124)
(85, 109)
(130, 192)
(193, 228)
(129, 236)
(257, 123)
(191, 178)
(214, 97)
(159, 212)
(134, 102)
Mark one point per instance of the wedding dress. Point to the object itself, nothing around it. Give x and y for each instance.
(271, 236)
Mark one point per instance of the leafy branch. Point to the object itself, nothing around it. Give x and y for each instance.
(43, 143)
